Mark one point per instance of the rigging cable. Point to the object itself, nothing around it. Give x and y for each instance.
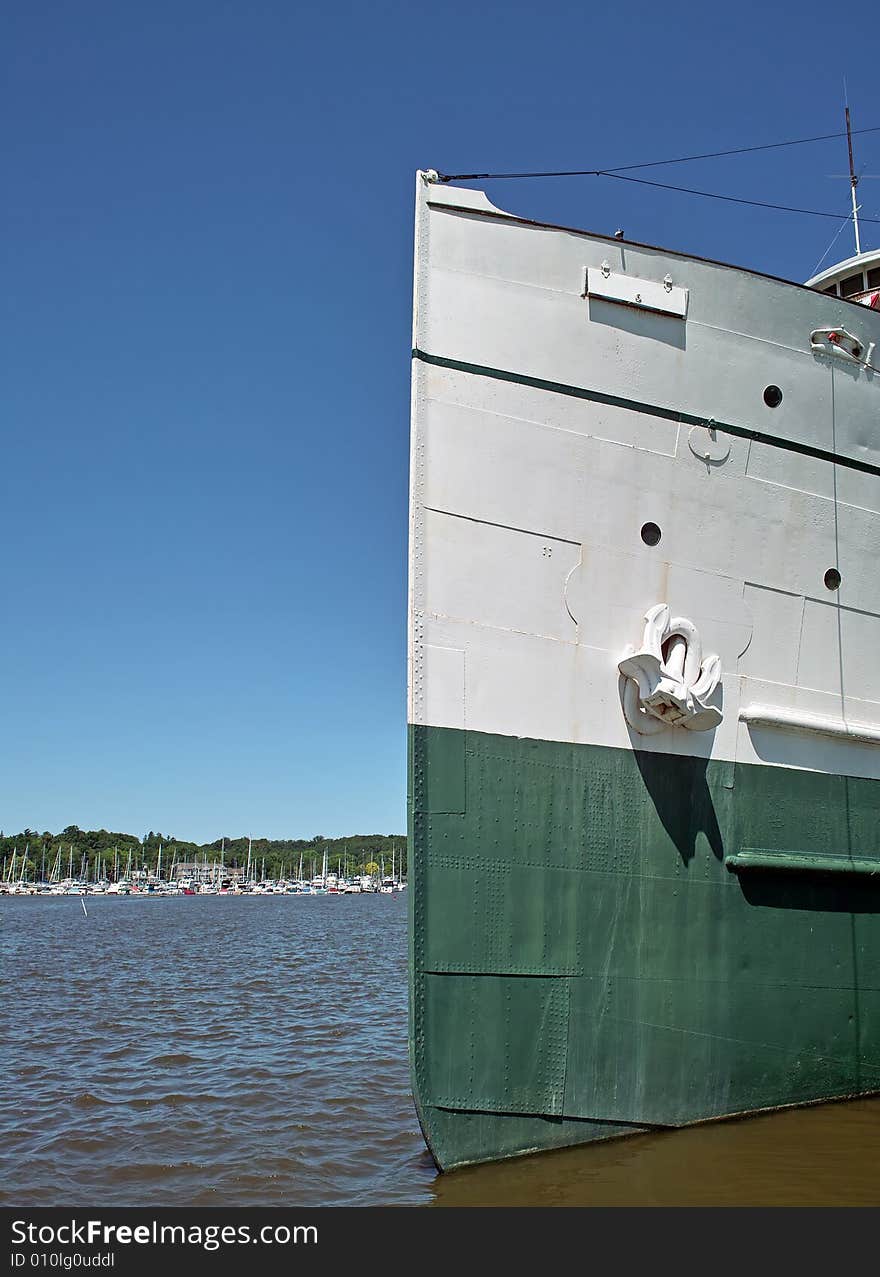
(625, 168)
(730, 199)
(845, 221)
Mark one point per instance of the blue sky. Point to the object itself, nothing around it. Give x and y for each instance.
(206, 266)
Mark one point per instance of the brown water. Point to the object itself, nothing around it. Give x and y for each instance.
(235, 1051)
(825, 1155)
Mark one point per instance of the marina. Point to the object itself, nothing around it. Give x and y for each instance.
(157, 888)
(130, 875)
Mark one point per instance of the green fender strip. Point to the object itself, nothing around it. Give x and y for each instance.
(799, 862)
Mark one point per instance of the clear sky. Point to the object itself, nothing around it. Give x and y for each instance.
(206, 291)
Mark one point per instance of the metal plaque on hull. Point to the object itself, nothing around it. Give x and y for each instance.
(663, 297)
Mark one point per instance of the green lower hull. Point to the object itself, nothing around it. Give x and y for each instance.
(584, 963)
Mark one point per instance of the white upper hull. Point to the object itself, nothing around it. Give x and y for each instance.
(529, 579)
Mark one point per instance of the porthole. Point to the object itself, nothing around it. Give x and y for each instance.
(650, 533)
(772, 396)
(832, 579)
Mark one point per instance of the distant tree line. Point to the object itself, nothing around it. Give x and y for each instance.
(93, 851)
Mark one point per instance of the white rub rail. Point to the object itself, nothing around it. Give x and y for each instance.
(817, 724)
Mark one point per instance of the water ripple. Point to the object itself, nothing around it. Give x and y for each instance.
(208, 1051)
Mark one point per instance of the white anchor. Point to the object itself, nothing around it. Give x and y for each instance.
(667, 683)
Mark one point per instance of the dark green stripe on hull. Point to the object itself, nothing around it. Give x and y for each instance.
(584, 965)
(649, 410)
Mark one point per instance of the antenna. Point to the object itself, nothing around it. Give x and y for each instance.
(853, 181)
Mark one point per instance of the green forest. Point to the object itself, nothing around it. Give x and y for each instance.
(93, 853)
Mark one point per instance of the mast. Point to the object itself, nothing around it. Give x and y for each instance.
(853, 182)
